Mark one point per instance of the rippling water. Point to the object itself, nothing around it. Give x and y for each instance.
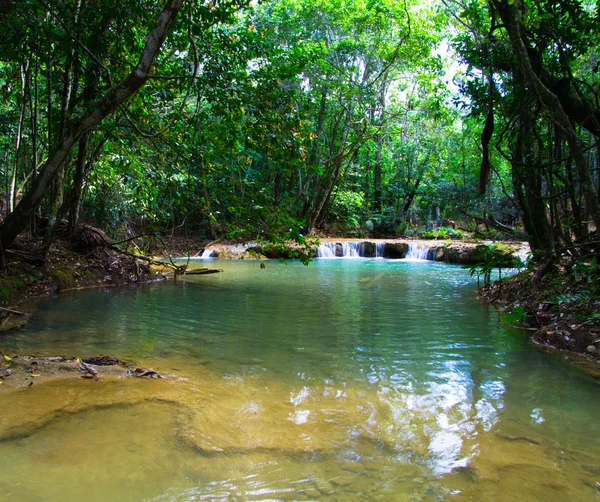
(348, 380)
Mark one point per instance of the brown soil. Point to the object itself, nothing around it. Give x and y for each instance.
(562, 312)
(65, 269)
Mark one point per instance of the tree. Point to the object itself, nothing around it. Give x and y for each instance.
(116, 96)
(536, 59)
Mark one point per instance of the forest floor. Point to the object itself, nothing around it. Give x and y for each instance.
(71, 264)
(562, 311)
(64, 269)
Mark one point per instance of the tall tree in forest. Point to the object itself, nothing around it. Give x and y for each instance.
(538, 55)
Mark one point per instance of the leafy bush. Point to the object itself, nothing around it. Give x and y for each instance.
(516, 315)
(443, 233)
(493, 256)
(346, 210)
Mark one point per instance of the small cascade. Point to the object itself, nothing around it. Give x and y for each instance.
(417, 252)
(355, 249)
(326, 250)
(340, 250)
(208, 253)
(350, 249)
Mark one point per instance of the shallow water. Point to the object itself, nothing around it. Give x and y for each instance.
(348, 379)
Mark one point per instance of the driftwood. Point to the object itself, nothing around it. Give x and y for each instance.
(27, 257)
(144, 373)
(202, 271)
(493, 222)
(88, 371)
(10, 311)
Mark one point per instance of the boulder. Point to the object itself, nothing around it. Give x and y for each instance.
(462, 255)
(367, 249)
(395, 250)
(436, 254)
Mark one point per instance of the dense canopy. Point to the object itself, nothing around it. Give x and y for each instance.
(274, 119)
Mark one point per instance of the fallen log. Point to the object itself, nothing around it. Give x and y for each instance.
(202, 271)
(178, 269)
(11, 311)
(31, 258)
(493, 222)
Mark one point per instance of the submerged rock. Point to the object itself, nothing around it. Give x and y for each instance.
(102, 360)
(12, 321)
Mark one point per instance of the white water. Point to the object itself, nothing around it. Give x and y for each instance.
(349, 250)
(208, 253)
(417, 252)
(326, 250)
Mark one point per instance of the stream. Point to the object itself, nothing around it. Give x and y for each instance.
(349, 379)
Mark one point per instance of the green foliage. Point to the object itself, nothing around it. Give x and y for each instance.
(571, 298)
(581, 289)
(443, 233)
(517, 315)
(279, 115)
(494, 256)
(347, 211)
(4, 292)
(65, 278)
(9, 287)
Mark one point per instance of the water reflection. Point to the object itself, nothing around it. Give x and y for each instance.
(363, 379)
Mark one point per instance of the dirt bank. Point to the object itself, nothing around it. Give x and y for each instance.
(562, 312)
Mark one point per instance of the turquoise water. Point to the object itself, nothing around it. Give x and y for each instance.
(348, 379)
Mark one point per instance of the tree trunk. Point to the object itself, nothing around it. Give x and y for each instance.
(12, 192)
(19, 218)
(68, 90)
(80, 171)
(511, 18)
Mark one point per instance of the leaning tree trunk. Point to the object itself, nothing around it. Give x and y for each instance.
(19, 218)
(511, 18)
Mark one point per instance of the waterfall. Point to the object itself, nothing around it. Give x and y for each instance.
(417, 252)
(350, 249)
(326, 250)
(207, 253)
(330, 250)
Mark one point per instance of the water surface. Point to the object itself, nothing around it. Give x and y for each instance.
(361, 379)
